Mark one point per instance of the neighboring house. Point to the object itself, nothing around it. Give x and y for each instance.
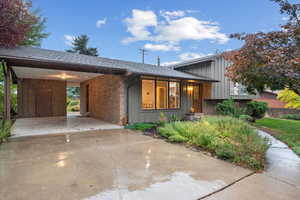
(214, 67)
(270, 97)
(111, 90)
(276, 108)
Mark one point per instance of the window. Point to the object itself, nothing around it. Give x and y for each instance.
(159, 94)
(174, 95)
(237, 89)
(148, 94)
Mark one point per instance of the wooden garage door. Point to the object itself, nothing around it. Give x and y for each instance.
(43, 103)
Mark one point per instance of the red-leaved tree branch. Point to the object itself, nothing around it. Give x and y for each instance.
(15, 22)
(269, 60)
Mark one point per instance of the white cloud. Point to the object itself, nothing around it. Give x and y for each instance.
(168, 15)
(161, 47)
(176, 27)
(190, 28)
(69, 39)
(170, 63)
(100, 22)
(137, 25)
(189, 56)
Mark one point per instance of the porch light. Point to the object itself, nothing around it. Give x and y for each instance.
(190, 88)
(63, 76)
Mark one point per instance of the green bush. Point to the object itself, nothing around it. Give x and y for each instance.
(228, 138)
(226, 152)
(177, 138)
(291, 116)
(256, 110)
(4, 130)
(174, 118)
(228, 107)
(141, 126)
(162, 119)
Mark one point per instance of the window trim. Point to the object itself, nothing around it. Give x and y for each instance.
(155, 84)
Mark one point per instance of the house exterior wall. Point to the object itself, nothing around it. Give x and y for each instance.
(106, 98)
(30, 89)
(216, 69)
(137, 114)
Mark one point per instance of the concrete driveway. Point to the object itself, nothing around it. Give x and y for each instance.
(120, 164)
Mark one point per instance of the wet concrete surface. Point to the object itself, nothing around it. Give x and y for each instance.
(74, 123)
(280, 181)
(117, 164)
(125, 165)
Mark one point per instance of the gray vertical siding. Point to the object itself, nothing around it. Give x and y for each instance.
(216, 70)
(137, 114)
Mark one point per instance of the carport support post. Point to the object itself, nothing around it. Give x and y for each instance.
(7, 91)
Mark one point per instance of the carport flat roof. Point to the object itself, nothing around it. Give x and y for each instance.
(49, 59)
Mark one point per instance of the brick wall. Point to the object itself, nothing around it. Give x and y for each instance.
(106, 98)
(29, 91)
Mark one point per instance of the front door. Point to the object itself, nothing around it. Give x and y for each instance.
(196, 97)
(43, 102)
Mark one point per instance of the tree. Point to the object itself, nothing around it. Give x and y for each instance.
(80, 46)
(269, 60)
(289, 97)
(15, 22)
(36, 33)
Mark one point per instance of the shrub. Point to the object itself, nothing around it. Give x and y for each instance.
(162, 119)
(141, 126)
(291, 116)
(256, 110)
(228, 138)
(229, 108)
(177, 138)
(226, 152)
(4, 130)
(174, 118)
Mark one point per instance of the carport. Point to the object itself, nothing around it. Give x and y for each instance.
(42, 77)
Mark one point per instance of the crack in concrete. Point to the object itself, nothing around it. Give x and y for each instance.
(227, 186)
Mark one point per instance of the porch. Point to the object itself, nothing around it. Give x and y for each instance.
(58, 125)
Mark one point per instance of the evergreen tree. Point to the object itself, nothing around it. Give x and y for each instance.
(80, 46)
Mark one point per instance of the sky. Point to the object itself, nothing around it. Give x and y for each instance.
(174, 30)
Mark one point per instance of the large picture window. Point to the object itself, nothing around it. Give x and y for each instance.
(159, 94)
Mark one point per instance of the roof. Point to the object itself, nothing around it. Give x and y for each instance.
(209, 58)
(50, 59)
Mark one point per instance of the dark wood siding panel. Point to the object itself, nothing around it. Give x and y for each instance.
(28, 90)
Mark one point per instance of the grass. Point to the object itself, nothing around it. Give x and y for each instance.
(288, 131)
(225, 137)
(141, 126)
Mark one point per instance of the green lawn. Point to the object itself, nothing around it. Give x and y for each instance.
(287, 131)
